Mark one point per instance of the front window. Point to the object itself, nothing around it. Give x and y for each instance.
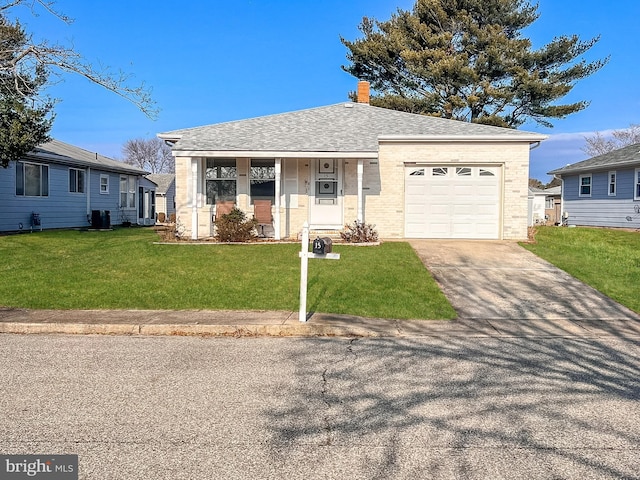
(637, 187)
(32, 179)
(612, 184)
(585, 185)
(104, 184)
(127, 191)
(262, 180)
(221, 177)
(76, 180)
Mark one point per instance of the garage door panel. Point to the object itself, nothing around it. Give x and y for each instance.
(438, 209)
(487, 211)
(464, 202)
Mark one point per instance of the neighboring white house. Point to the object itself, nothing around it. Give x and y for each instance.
(537, 203)
(413, 176)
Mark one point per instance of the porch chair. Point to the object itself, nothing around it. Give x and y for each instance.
(222, 208)
(262, 214)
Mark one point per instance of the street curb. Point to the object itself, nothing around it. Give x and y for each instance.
(303, 330)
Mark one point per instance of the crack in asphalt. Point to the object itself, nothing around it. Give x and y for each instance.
(324, 392)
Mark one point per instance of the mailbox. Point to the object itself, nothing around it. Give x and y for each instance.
(322, 246)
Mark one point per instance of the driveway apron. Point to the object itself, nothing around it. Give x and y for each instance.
(501, 280)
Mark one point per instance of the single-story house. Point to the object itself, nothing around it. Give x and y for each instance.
(553, 205)
(545, 206)
(536, 206)
(603, 191)
(165, 195)
(413, 176)
(58, 185)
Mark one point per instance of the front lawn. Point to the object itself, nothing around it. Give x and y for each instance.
(123, 269)
(606, 259)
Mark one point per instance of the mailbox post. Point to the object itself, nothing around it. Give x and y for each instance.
(305, 255)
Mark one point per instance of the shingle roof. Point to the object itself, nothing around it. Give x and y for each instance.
(625, 156)
(162, 180)
(59, 152)
(344, 127)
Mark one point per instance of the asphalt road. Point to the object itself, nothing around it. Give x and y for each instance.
(275, 408)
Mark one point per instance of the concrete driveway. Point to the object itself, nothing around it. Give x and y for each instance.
(501, 280)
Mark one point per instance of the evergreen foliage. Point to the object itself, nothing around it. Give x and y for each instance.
(468, 60)
(235, 227)
(25, 119)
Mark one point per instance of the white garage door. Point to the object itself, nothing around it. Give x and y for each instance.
(452, 202)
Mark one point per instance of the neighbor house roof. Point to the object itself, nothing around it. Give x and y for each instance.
(56, 151)
(162, 180)
(340, 128)
(625, 156)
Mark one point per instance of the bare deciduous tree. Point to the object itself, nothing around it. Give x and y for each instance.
(45, 58)
(599, 144)
(152, 155)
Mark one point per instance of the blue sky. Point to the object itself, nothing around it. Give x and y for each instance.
(210, 61)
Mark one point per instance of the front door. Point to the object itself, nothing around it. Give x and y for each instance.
(325, 201)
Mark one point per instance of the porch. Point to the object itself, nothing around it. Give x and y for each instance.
(326, 192)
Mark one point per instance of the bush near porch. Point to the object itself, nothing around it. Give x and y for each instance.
(606, 259)
(124, 269)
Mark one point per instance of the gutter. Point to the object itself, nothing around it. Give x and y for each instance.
(522, 137)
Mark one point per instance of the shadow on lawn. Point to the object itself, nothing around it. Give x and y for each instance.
(473, 407)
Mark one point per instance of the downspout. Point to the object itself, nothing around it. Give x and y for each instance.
(561, 199)
(360, 171)
(88, 185)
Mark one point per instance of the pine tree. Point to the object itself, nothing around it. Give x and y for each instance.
(468, 60)
(25, 118)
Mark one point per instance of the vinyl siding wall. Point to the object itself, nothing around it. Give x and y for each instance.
(602, 209)
(61, 208)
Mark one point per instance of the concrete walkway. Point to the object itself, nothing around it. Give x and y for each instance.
(497, 288)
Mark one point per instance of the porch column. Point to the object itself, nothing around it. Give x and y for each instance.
(276, 217)
(360, 215)
(194, 198)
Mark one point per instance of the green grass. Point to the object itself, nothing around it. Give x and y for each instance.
(606, 259)
(123, 269)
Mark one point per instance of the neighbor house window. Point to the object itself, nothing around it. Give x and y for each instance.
(127, 191)
(104, 184)
(221, 178)
(612, 184)
(76, 180)
(585, 185)
(262, 180)
(548, 202)
(637, 187)
(32, 179)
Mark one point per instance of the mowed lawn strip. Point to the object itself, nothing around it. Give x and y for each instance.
(606, 259)
(124, 269)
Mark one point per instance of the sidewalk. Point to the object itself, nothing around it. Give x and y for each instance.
(221, 323)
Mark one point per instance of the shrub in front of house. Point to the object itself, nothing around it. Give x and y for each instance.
(359, 232)
(235, 227)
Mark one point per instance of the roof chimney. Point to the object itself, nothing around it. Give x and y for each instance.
(363, 91)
